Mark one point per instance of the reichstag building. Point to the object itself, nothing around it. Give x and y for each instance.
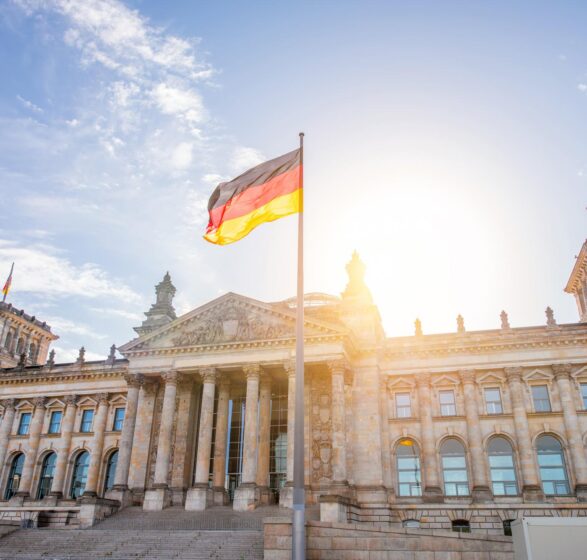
(466, 430)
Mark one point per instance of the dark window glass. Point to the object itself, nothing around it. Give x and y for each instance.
(507, 527)
(55, 423)
(408, 468)
(80, 474)
(118, 419)
(584, 394)
(110, 470)
(501, 467)
(87, 420)
(47, 473)
(14, 476)
(540, 398)
(25, 424)
(454, 468)
(461, 526)
(553, 471)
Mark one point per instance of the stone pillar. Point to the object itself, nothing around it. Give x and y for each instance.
(91, 488)
(158, 497)
(265, 495)
(24, 488)
(120, 489)
(562, 375)
(57, 490)
(481, 490)
(245, 496)
(339, 473)
(531, 489)
(198, 497)
(286, 494)
(431, 485)
(6, 428)
(220, 442)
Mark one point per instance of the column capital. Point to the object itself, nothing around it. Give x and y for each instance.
(423, 380)
(40, 402)
(70, 400)
(562, 371)
(224, 381)
(134, 380)
(103, 398)
(252, 371)
(514, 373)
(338, 366)
(9, 404)
(171, 377)
(209, 374)
(150, 385)
(467, 376)
(290, 368)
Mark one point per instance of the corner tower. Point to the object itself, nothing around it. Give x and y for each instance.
(162, 311)
(577, 284)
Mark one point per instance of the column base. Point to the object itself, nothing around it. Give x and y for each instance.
(334, 509)
(50, 500)
(246, 497)
(177, 496)
(199, 497)
(581, 492)
(432, 495)
(286, 495)
(120, 493)
(220, 496)
(533, 494)
(266, 497)
(157, 498)
(482, 494)
(371, 495)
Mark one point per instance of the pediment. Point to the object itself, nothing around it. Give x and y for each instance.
(537, 375)
(490, 377)
(394, 384)
(230, 319)
(444, 380)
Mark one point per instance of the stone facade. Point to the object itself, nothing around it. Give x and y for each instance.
(465, 430)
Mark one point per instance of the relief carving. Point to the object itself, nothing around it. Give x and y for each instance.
(321, 422)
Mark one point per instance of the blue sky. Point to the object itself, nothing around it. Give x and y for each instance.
(445, 141)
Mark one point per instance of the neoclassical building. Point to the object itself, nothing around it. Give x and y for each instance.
(465, 430)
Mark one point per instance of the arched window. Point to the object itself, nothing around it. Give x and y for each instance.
(501, 466)
(80, 474)
(8, 342)
(110, 470)
(461, 526)
(47, 473)
(454, 468)
(20, 346)
(408, 468)
(552, 466)
(32, 352)
(14, 476)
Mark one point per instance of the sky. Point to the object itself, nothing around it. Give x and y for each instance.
(445, 142)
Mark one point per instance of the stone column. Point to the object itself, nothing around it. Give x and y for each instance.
(339, 474)
(431, 485)
(220, 442)
(481, 490)
(286, 495)
(91, 488)
(158, 497)
(57, 490)
(562, 375)
(265, 495)
(531, 489)
(119, 490)
(24, 488)
(198, 497)
(6, 428)
(245, 496)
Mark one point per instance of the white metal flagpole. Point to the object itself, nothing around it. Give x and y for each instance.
(299, 498)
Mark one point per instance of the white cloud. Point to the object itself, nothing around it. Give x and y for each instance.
(40, 269)
(29, 104)
(582, 87)
(118, 313)
(68, 355)
(243, 158)
(61, 325)
(181, 158)
(176, 101)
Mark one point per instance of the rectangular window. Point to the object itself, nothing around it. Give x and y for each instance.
(493, 401)
(87, 420)
(403, 407)
(447, 403)
(540, 398)
(25, 424)
(55, 423)
(584, 394)
(118, 419)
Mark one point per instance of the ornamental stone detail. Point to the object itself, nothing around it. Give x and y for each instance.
(134, 380)
(321, 422)
(562, 370)
(209, 375)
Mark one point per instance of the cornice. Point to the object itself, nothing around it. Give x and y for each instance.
(43, 376)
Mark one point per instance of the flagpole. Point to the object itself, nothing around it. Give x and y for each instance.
(299, 498)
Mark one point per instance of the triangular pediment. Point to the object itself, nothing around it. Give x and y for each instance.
(230, 319)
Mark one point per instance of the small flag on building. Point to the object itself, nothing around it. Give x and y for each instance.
(7, 284)
(267, 192)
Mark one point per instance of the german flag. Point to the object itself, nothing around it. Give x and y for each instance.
(264, 193)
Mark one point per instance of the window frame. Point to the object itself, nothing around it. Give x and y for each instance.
(563, 465)
(50, 429)
(44, 487)
(488, 402)
(83, 421)
(506, 483)
(117, 420)
(24, 432)
(442, 405)
(583, 387)
(77, 467)
(543, 400)
(403, 408)
(11, 489)
(415, 488)
(464, 468)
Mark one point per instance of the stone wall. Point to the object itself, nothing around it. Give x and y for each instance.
(343, 541)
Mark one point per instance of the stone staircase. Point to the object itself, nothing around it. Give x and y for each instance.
(132, 534)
